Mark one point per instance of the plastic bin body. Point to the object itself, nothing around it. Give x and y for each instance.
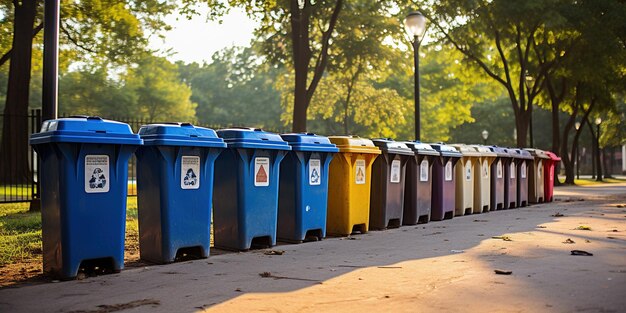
(523, 160)
(550, 165)
(498, 178)
(175, 190)
(418, 186)
(349, 185)
(246, 185)
(303, 190)
(84, 181)
(388, 180)
(466, 171)
(510, 180)
(536, 176)
(482, 179)
(444, 185)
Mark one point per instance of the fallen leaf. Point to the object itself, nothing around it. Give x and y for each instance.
(583, 227)
(569, 241)
(274, 252)
(581, 252)
(540, 226)
(609, 237)
(503, 272)
(557, 214)
(505, 238)
(481, 221)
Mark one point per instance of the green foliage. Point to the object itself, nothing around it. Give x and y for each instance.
(151, 90)
(237, 88)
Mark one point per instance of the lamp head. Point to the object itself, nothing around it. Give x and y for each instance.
(415, 24)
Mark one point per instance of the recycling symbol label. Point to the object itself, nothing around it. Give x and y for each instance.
(424, 170)
(261, 172)
(395, 171)
(448, 171)
(468, 171)
(485, 169)
(360, 172)
(315, 172)
(499, 169)
(539, 169)
(97, 173)
(190, 172)
(513, 170)
(523, 170)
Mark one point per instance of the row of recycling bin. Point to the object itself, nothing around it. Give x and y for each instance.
(267, 186)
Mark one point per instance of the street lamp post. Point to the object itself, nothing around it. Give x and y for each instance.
(529, 80)
(415, 24)
(598, 158)
(485, 135)
(577, 156)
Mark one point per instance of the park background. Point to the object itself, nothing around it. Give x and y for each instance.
(528, 72)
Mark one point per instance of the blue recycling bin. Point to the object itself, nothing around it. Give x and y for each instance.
(175, 190)
(84, 183)
(303, 188)
(246, 184)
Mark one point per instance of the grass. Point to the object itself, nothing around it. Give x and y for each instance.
(590, 182)
(20, 231)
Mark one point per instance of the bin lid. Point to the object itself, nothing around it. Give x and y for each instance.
(499, 151)
(309, 142)
(484, 151)
(252, 138)
(421, 148)
(179, 134)
(85, 129)
(540, 154)
(466, 150)
(446, 150)
(552, 156)
(354, 144)
(390, 146)
(522, 154)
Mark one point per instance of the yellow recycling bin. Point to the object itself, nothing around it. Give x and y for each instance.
(349, 185)
(482, 180)
(465, 169)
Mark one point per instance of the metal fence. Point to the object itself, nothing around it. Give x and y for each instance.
(15, 189)
(12, 191)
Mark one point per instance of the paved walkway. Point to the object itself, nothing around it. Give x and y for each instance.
(440, 267)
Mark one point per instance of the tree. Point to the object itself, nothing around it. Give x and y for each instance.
(497, 37)
(97, 30)
(237, 88)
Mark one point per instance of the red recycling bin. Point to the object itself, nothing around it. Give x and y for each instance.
(548, 186)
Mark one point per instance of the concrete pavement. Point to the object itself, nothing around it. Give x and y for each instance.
(440, 266)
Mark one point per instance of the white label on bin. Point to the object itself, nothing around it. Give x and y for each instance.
(513, 169)
(539, 169)
(468, 170)
(97, 177)
(499, 169)
(262, 172)
(448, 171)
(523, 170)
(395, 172)
(360, 172)
(315, 173)
(424, 170)
(190, 172)
(485, 169)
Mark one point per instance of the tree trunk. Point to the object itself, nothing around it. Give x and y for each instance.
(301, 58)
(14, 148)
(522, 124)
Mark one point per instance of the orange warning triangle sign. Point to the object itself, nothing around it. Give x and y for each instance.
(261, 175)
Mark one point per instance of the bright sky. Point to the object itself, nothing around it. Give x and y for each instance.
(197, 39)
